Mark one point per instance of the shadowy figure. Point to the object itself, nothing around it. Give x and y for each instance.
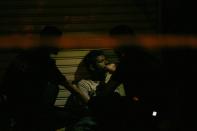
(31, 84)
(138, 70)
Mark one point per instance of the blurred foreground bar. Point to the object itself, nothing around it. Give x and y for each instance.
(99, 41)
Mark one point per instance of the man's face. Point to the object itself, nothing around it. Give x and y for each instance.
(101, 62)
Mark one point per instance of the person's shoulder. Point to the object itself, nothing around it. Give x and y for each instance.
(88, 81)
(84, 82)
(88, 84)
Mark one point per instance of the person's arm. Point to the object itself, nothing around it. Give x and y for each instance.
(78, 90)
(108, 88)
(114, 82)
(71, 87)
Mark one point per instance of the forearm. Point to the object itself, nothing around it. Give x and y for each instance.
(82, 96)
(77, 91)
(112, 85)
(105, 89)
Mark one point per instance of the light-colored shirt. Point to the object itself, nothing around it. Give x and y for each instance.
(88, 87)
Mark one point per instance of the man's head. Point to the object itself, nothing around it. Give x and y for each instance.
(95, 62)
(121, 30)
(50, 38)
(51, 31)
(123, 34)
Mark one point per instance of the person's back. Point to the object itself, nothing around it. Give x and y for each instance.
(26, 82)
(31, 84)
(27, 77)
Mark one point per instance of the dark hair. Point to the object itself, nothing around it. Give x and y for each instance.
(51, 31)
(90, 58)
(121, 30)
